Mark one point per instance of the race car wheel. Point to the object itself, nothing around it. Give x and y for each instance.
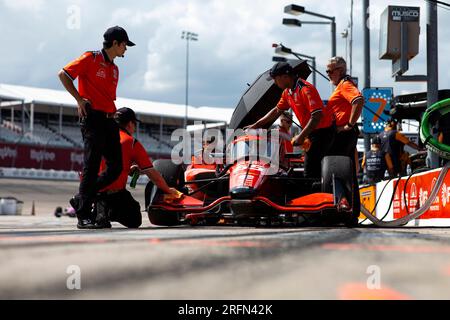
(339, 167)
(172, 173)
(337, 178)
(163, 218)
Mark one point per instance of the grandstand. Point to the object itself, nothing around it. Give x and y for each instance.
(46, 119)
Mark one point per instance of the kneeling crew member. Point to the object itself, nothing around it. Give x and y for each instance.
(115, 203)
(315, 119)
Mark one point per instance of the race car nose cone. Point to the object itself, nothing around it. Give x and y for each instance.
(242, 193)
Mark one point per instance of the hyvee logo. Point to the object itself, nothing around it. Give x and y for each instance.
(7, 152)
(41, 155)
(76, 158)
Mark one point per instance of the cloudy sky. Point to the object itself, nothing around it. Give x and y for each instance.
(235, 37)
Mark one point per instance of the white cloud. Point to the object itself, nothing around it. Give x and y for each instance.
(19, 5)
(234, 44)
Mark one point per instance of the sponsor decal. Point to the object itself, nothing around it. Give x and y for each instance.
(405, 14)
(76, 158)
(7, 152)
(40, 155)
(101, 73)
(419, 189)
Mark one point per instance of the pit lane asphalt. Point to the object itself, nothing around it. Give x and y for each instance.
(218, 262)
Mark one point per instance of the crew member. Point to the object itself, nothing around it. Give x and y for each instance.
(392, 143)
(317, 122)
(98, 77)
(346, 102)
(376, 162)
(115, 203)
(285, 132)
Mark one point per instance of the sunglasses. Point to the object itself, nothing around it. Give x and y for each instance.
(331, 71)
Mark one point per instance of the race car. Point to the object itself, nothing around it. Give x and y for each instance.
(248, 190)
(244, 194)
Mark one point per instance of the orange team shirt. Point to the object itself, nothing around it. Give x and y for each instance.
(305, 101)
(132, 153)
(97, 79)
(286, 138)
(341, 101)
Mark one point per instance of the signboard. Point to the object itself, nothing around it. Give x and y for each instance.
(407, 14)
(377, 104)
(38, 157)
(417, 192)
(391, 37)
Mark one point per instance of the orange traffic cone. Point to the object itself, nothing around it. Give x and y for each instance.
(33, 209)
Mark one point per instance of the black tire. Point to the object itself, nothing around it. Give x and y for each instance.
(174, 176)
(172, 173)
(163, 218)
(148, 193)
(341, 168)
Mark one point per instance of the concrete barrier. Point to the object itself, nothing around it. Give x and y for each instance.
(36, 174)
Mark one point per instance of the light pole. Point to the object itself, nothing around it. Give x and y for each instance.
(296, 10)
(188, 36)
(283, 50)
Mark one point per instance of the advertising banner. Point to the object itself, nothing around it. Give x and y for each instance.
(37, 157)
(378, 103)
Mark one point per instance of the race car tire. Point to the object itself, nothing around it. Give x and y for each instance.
(172, 173)
(341, 168)
(163, 218)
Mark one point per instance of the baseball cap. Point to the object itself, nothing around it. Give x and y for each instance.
(279, 69)
(119, 34)
(125, 115)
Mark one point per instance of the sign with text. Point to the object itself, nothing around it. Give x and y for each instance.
(376, 108)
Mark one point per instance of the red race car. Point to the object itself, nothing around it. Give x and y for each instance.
(249, 192)
(249, 189)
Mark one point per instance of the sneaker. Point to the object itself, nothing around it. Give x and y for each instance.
(85, 224)
(105, 224)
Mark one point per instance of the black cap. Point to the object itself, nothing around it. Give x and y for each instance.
(279, 69)
(376, 140)
(119, 34)
(125, 115)
(392, 121)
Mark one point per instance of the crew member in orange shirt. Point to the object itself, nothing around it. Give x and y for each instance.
(115, 203)
(347, 103)
(392, 143)
(316, 120)
(285, 133)
(97, 83)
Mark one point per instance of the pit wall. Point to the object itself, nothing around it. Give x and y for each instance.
(418, 189)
